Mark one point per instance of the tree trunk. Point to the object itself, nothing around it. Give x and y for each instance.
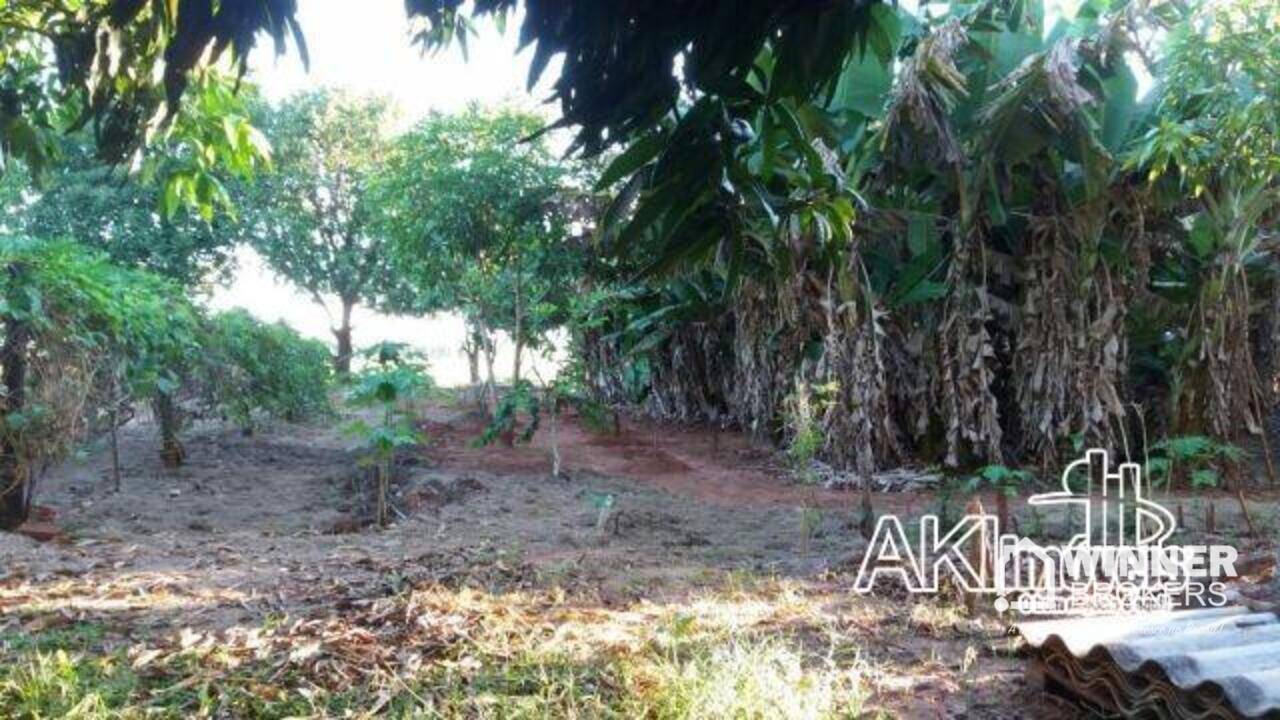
(515, 369)
(473, 365)
(555, 438)
(15, 475)
(342, 360)
(382, 471)
(115, 450)
(385, 467)
(169, 416)
(491, 386)
(473, 346)
(114, 418)
(518, 335)
(1002, 512)
(867, 519)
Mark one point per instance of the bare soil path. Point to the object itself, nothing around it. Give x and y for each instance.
(261, 527)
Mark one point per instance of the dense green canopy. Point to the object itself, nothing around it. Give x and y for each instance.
(103, 207)
(123, 65)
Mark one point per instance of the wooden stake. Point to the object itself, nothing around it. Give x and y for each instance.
(1257, 394)
(115, 452)
(1266, 453)
(1244, 510)
(115, 426)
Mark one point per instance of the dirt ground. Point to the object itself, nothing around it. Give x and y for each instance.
(270, 525)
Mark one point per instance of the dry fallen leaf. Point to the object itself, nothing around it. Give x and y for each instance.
(146, 657)
(304, 652)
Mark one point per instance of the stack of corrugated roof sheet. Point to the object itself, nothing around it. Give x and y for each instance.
(1206, 663)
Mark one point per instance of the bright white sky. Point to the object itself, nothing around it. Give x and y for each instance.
(364, 47)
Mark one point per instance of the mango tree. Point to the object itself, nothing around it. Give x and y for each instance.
(476, 219)
(311, 218)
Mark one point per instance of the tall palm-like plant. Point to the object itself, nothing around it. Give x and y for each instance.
(963, 235)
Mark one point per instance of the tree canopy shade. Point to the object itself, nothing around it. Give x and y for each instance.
(103, 207)
(618, 77)
(120, 66)
(311, 218)
(123, 65)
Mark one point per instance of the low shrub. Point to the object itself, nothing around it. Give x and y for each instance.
(252, 368)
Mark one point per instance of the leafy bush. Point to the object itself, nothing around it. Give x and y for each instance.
(1197, 456)
(803, 416)
(521, 399)
(1004, 480)
(252, 368)
(71, 320)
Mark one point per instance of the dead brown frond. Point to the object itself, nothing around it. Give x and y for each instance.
(923, 97)
(1070, 359)
(964, 382)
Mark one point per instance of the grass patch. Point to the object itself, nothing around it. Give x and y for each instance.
(76, 636)
(747, 678)
(60, 684)
(461, 653)
(737, 678)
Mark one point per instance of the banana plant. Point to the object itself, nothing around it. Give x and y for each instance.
(975, 208)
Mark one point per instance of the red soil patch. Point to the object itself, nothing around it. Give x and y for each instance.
(39, 530)
(722, 467)
(718, 466)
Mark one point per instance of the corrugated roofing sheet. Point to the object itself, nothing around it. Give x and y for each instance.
(1205, 663)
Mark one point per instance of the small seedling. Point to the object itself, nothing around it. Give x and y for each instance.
(803, 410)
(522, 399)
(810, 524)
(395, 377)
(1006, 482)
(604, 504)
